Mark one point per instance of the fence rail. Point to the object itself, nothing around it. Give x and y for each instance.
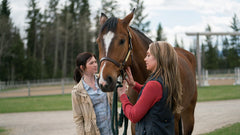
(224, 77)
(33, 83)
(65, 85)
(36, 87)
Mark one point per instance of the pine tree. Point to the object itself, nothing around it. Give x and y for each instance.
(33, 44)
(176, 44)
(160, 35)
(5, 40)
(52, 38)
(5, 9)
(34, 17)
(211, 53)
(11, 47)
(139, 18)
(225, 53)
(110, 7)
(5, 28)
(234, 49)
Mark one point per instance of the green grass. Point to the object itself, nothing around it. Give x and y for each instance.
(36, 103)
(229, 130)
(213, 93)
(63, 102)
(3, 131)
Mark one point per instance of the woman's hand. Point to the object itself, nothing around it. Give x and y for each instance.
(129, 77)
(123, 89)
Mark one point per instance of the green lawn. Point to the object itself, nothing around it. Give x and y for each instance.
(213, 93)
(3, 131)
(63, 102)
(36, 103)
(229, 130)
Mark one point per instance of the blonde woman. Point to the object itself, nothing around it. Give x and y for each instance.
(160, 97)
(91, 106)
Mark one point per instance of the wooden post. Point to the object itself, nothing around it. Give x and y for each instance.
(199, 66)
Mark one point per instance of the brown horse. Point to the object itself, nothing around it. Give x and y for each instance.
(121, 46)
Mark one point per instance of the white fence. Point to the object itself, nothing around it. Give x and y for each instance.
(36, 87)
(63, 86)
(33, 83)
(221, 77)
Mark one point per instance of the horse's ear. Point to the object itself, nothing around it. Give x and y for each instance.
(129, 17)
(103, 19)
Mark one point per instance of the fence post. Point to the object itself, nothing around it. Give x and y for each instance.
(29, 88)
(205, 78)
(63, 86)
(237, 76)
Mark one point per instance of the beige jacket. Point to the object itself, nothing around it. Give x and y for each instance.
(84, 115)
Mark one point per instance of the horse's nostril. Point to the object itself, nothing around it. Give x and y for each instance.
(101, 86)
(109, 79)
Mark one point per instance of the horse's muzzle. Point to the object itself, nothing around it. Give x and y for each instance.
(108, 85)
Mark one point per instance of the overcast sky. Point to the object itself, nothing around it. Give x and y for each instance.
(176, 16)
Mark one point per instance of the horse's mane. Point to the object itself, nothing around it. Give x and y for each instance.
(110, 24)
(142, 36)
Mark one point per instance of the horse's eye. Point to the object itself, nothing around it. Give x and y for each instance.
(121, 41)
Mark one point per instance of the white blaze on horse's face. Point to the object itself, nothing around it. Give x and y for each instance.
(107, 38)
(101, 80)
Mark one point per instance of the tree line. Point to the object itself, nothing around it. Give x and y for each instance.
(56, 35)
(229, 55)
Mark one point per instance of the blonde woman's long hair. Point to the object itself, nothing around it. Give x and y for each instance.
(167, 68)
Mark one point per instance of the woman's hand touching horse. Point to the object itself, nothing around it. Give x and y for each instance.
(129, 77)
(123, 89)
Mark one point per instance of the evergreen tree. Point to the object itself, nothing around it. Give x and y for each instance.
(225, 53)
(5, 29)
(5, 10)
(11, 47)
(139, 18)
(85, 21)
(211, 53)
(52, 39)
(34, 17)
(160, 35)
(33, 36)
(234, 49)
(110, 7)
(5, 40)
(176, 44)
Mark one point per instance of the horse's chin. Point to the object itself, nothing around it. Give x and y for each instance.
(108, 87)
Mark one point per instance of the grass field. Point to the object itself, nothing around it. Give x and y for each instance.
(213, 93)
(229, 130)
(63, 102)
(37, 103)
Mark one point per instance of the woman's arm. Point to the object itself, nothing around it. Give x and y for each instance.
(151, 94)
(137, 87)
(77, 115)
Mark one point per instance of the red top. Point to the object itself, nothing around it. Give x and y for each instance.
(151, 94)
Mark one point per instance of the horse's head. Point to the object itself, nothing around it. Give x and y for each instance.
(114, 43)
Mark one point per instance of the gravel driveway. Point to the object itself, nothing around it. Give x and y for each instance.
(209, 116)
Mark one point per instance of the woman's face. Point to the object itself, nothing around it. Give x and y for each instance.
(91, 66)
(151, 62)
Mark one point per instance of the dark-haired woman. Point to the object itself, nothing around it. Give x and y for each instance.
(91, 106)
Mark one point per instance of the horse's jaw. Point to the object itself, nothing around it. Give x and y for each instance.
(107, 86)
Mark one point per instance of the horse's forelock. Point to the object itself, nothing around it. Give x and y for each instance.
(110, 24)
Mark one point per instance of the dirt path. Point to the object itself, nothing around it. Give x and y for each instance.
(209, 116)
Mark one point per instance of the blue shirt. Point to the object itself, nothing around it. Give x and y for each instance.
(101, 108)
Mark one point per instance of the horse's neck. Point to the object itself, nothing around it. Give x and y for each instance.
(140, 73)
